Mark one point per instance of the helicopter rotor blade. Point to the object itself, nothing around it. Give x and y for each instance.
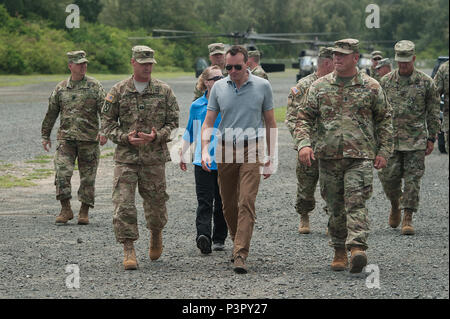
(297, 34)
(172, 31)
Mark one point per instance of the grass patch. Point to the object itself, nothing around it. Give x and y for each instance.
(6, 166)
(105, 155)
(39, 173)
(20, 80)
(280, 114)
(41, 159)
(9, 181)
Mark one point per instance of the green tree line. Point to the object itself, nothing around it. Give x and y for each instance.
(34, 37)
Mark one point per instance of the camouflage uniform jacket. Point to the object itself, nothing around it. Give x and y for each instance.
(374, 74)
(296, 96)
(259, 71)
(79, 105)
(442, 83)
(354, 121)
(126, 110)
(415, 105)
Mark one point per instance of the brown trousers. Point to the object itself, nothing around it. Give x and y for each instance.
(238, 184)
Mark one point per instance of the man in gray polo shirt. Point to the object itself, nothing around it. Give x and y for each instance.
(245, 103)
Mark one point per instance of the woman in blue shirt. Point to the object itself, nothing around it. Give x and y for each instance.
(208, 196)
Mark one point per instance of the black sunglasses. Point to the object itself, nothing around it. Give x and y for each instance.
(216, 78)
(238, 67)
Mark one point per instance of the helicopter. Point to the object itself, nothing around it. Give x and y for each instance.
(247, 39)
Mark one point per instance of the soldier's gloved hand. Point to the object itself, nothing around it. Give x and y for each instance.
(135, 141)
(380, 162)
(47, 144)
(148, 137)
(305, 155)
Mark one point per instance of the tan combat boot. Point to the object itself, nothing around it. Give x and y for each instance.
(156, 245)
(358, 259)
(303, 228)
(66, 213)
(396, 215)
(83, 218)
(407, 226)
(129, 259)
(340, 261)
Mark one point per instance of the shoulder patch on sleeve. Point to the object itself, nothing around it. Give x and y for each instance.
(294, 90)
(106, 107)
(109, 98)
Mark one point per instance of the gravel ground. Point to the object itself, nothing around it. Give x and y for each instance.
(282, 263)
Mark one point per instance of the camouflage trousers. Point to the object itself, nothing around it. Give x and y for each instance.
(87, 154)
(151, 183)
(445, 129)
(346, 185)
(409, 167)
(307, 178)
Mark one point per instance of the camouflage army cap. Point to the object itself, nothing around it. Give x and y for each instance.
(143, 54)
(377, 54)
(77, 57)
(346, 46)
(326, 52)
(383, 62)
(254, 53)
(216, 48)
(404, 51)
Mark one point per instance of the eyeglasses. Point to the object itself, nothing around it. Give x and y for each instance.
(216, 78)
(237, 67)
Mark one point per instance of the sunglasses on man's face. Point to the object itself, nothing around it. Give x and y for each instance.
(216, 78)
(237, 67)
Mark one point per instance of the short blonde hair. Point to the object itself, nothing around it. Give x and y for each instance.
(205, 76)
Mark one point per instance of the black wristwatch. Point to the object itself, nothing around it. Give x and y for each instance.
(431, 139)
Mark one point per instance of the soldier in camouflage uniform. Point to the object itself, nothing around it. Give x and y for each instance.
(138, 115)
(441, 81)
(253, 64)
(307, 177)
(383, 67)
(354, 133)
(415, 102)
(78, 101)
(376, 57)
(217, 57)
